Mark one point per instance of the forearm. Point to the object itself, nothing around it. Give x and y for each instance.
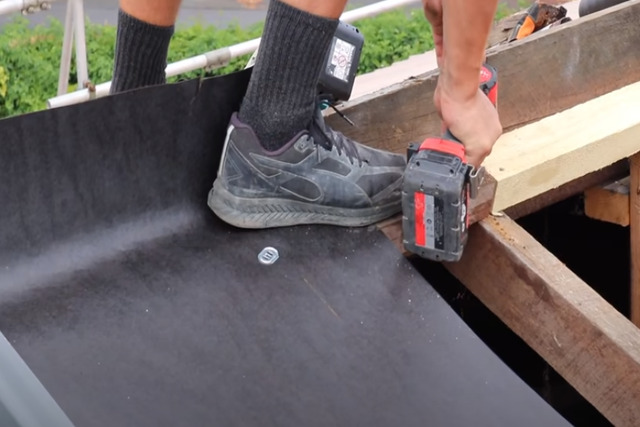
(466, 26)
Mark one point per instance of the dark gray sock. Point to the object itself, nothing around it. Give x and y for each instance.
(280, 99)
(141, 53)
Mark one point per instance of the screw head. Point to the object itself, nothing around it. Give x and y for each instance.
(268, 256)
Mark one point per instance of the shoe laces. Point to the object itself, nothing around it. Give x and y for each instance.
(330, 138)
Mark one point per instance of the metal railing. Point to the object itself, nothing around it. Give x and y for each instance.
(24, 6)
(74, 26)
(220, 57)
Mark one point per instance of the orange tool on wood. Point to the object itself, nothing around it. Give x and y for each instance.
(539, 15)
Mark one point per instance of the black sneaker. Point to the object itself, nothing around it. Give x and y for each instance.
(319, 177)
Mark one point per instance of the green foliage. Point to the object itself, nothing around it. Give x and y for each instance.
(30, 61)
(4, 79)
(505, 10)
(30, 56)
(393, 36)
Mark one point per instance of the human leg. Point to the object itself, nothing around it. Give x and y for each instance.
(145, 28)
(282, 165)
(281, 96)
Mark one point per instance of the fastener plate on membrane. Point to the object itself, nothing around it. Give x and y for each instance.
(268, 256)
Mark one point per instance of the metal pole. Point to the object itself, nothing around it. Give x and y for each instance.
(67, 47)
(8, 7)
(220, 57)
(374, 9)
(81, 43)
(215, 59)
(24, 401)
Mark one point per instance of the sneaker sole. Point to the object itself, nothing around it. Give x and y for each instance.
(272, 212)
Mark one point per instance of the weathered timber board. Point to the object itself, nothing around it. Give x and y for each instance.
(617, 170)
(608, 203)
(584, 338)
(544, 155)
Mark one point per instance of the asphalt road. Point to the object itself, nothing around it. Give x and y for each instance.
(217, 12)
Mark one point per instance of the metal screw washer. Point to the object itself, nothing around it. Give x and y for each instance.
(268, 256)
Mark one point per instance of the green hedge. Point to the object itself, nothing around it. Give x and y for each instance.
(30, 56)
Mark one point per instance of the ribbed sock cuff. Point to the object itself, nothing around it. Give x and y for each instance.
(281, 96)
(141, 53)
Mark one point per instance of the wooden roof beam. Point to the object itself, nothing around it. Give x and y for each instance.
(585, 339)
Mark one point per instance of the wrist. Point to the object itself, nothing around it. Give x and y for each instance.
(460, 85)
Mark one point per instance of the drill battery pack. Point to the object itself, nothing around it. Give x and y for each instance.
(341, 63)
(434, 200)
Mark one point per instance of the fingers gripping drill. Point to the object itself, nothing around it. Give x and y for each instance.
(438, 184)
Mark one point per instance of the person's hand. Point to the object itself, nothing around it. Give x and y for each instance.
(433, 13)
(463, 108)
(474, 121)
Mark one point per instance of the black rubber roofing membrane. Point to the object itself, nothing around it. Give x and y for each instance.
(134, 305)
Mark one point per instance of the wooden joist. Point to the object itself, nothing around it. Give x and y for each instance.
(550, 152)
(594, 347)
(608, 202)
(617, 170)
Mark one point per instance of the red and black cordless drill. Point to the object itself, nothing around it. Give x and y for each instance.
(438, 183)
